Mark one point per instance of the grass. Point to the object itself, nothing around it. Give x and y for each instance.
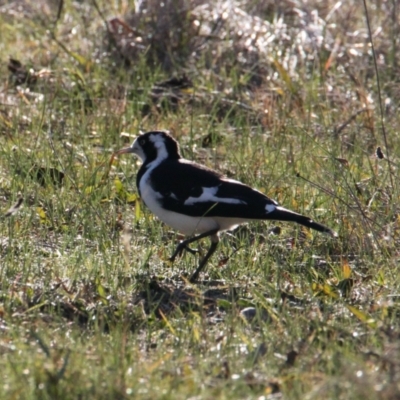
(89, 305)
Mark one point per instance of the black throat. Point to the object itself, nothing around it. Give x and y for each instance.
(151, 153)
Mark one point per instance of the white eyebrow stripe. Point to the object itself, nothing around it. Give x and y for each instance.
(208, 195)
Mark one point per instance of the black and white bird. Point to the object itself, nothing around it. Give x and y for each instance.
(194, 199)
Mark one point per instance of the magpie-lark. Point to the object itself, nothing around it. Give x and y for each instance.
(195, 199)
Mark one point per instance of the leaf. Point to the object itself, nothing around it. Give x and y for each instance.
(167, 323)
(37, 306)
(78, 74)
(132, 198)
(5, 121)
(196, 334)
(83, 61)
(187, 90)
(346, 269)
(89, 189)
(342, 161)
(123, 194)
(324, 289)
(101, 291)
(119, 188)
(381, 278)
(224, 304)
(137, 208)
(329, 291)
(363, 317)
(244, 303)
(42, 215)
(285, 76)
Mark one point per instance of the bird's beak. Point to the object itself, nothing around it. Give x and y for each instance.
(121, 151)
(134, 149)
(131, 149)
(125, 151)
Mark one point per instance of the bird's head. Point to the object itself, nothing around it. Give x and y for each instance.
(153, 145)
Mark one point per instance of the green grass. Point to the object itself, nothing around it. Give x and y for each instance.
(89, 305)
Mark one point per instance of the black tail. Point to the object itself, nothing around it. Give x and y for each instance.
(282, 214)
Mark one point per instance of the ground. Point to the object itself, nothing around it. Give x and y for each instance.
(297, 100)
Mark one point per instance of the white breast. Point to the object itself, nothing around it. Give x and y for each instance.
(183, 223)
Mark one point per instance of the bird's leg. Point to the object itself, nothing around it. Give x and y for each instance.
(203, 262)
(191, 251)
(184, 244)
(179, 250)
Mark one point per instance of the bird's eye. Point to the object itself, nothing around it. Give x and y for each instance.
(142, 142)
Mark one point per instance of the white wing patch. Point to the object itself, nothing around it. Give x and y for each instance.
(209, 194)
(270, 208)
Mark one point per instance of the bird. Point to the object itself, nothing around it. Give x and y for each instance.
(198, 201)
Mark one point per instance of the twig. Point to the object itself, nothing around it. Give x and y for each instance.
(335, 196)
(340, 128)
(111, 37)
(59, 11)
(378, 84)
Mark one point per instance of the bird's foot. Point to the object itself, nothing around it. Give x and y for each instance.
(192, 251)
(179, 250)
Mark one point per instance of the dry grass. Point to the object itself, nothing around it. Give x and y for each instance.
(282, 97)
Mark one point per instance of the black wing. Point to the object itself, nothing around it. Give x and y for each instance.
(197, 191)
